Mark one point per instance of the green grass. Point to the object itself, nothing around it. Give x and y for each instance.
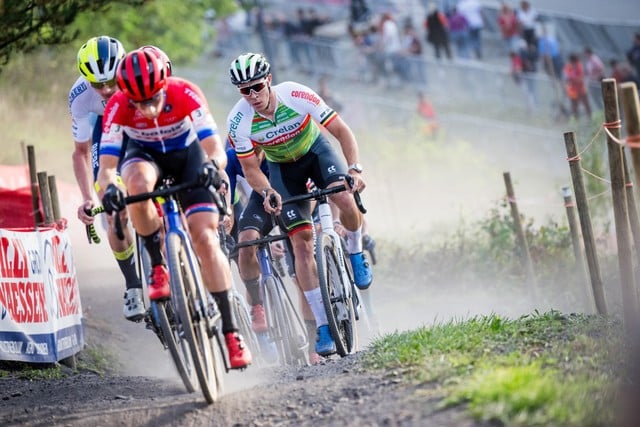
(539, 370)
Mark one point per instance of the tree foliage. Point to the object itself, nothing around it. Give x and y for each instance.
(178, 27)
(27, 25)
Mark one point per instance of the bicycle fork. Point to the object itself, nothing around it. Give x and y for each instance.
(326, 224)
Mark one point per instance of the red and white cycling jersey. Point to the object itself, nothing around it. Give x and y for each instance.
(84, 104)
(292, 132)
(185, 118)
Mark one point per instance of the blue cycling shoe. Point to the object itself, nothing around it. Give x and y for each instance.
(325, 345)
(361, 270)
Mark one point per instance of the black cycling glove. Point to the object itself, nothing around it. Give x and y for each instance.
(113, 199)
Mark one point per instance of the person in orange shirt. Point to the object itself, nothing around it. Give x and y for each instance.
(425, 110)
(575, 85)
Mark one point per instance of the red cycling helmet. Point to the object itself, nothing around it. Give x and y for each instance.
(141, 75)
(164, 58)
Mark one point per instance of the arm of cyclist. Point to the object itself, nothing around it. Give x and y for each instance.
(108, 190)
(81, 159)
(341, 131)
(260, 183)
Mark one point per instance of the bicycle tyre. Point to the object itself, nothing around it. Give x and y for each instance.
(278, 320)
(190, 306)
(294, 329)
(178, 348)
(272, 308)
(243, 321)
(337, 301)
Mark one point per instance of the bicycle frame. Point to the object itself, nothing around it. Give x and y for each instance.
(290, 350)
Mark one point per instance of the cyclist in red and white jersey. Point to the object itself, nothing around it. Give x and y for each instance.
(283, 120)
(171, 133)
(97, 61)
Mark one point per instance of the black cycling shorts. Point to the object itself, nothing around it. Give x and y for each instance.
(181, 165)
(322, 164)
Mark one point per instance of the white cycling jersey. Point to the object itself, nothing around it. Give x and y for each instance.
(84, 104)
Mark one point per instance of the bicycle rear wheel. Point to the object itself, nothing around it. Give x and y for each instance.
(192, 308)
(336, 296)
(286, 329)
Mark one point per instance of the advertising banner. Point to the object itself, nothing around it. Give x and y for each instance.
(40, 309)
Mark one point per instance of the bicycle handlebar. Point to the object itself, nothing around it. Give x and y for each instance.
(164, 190)
(92, 234)
(321, 194)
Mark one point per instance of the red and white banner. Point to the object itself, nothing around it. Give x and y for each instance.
(40, 309)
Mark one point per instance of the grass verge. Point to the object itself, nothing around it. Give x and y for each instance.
(539, 370)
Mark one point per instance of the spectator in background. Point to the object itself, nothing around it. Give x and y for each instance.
(412, 52)
(575, 85)
(622, 72)
(527, 17)
(326, 93)
(515, 67)
(549, 51)
(390, 45)
(529, 57)
(459, 32)
(437, 27)
(428, 114)
(509, 27)
(472, 10)
(594, 72)
(633, 54)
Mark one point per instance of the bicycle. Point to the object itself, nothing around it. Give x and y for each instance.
(188, 323)
(239, 306)
(337, 285)
(285, 328)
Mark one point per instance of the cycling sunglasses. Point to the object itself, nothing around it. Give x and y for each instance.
(100, 85)
(256, 88)
(150, 101)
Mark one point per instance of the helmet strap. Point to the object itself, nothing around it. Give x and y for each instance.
(269, 102)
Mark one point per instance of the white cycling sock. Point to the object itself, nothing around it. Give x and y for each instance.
(314, 298)
(354, 241)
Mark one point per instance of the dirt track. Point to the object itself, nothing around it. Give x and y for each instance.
(146, 391)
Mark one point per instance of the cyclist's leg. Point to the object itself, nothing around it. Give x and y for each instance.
(123, 250)
(253, 223)
(289, 180)
(202, 219)
(350, 216)
(140, 174)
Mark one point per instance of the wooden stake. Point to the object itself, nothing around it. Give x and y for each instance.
(523, 246)
(35, 195)
(55, 202)
(585, 223)
(620, 206)
(43, 182)
(577, 248)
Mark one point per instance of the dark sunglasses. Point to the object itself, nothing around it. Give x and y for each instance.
(145, 102)
(100, 85)
(256, 88)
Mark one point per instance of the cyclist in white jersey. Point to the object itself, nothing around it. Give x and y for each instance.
(98, 60)
(284, 121)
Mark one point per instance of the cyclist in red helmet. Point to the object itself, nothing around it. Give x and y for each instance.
(171, 133)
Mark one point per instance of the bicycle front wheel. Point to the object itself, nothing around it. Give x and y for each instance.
(173, 339)
(336, 295)
(191, 304)
(243, 320)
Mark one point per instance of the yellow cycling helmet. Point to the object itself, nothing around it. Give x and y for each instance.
(98, 58)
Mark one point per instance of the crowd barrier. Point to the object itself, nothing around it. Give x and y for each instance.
(40, 308)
